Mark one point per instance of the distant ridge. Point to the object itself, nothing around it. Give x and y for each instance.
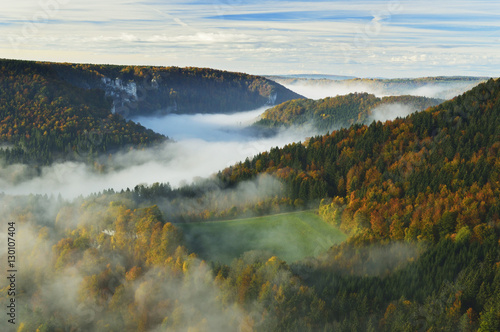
(312, 76)
(443, 87)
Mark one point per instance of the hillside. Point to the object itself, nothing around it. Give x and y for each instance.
(55, 111)
(43, 118)
(404, 179)
(341, 111)
(419, 199)
(141, 90)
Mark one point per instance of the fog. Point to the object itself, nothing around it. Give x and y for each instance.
(204, 145)
(206, 127)
(318, 89)
(52, 287)
(390, 112)
(61, 279)
(217, 200)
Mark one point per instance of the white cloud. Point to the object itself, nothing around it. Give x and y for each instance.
(378, 37)
(317, 89)
(205, 144)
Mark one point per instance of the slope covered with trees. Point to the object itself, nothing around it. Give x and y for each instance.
(146, 90)
(335, 112)
(43, 118)
(409, 178)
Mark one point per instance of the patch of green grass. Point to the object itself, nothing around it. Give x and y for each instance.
(290, 236)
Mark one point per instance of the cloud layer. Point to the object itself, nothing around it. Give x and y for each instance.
(205, 144)
(317, 89)
(389, 38)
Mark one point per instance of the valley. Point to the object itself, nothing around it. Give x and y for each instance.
(250, 166)
(351, 212)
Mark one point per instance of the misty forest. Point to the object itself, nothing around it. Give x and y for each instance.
(146, 198)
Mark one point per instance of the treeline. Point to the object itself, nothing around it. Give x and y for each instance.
(419, 197)
(335, 112)
(52, 111)
(43, 118)
(210, 200)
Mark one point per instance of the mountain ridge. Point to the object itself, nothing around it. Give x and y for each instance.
(153, 90)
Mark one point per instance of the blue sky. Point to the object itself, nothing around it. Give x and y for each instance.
(368, 38)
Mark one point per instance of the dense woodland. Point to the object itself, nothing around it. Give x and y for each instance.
(335, 112)
(161, 90)
(44, 119)
(109, 264)
(408, 171)
(419, 198)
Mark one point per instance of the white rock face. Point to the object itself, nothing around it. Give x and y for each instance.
(109, 232)
(272, 98)
(122, 92)
(118, 87)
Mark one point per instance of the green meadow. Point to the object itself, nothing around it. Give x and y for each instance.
(289, 236)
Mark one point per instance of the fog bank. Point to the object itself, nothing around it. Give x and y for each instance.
(205, 144)
(318, 89)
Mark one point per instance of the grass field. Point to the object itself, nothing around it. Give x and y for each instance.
(290, 236)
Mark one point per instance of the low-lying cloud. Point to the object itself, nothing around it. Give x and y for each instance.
(207, 127)
(318, 89)
(63, 288)
(391, 111)
(205, 144)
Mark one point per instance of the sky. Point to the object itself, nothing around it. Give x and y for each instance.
(372, 38)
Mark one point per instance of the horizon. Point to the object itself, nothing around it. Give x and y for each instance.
(327, 76)
(369, 39)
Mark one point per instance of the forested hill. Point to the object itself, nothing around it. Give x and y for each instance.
(43, 118)
(141, 90)
(58, 110)
(424, 176)
(341, 111)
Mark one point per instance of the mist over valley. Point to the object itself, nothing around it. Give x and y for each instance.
(431, 87)
(151, 212)
(250, 166)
